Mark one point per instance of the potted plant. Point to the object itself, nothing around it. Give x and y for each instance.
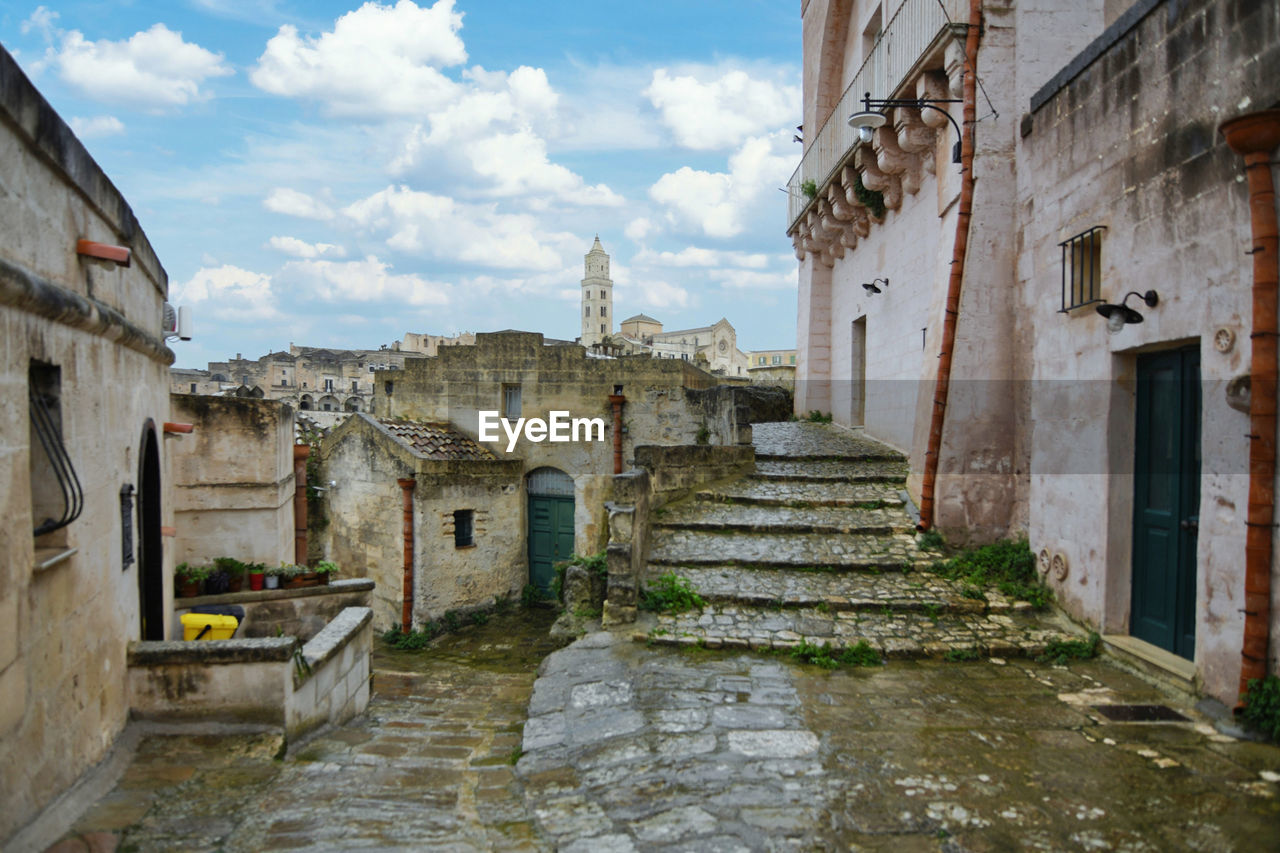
(257, 575)
(273, 576)
(233, 569)
(326, 569)
(296, 577)
(188, 578)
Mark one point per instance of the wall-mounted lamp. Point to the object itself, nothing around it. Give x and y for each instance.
(871, 116)
(1118, 316)
(870, 286)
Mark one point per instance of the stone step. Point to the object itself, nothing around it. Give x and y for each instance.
(827, 471)
(816, 442)
(920, 592)
(834, 458)
(800, 494)
(762, 518)
(801, 551)
(900, 634)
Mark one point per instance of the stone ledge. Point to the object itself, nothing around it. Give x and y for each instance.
(253, 596)
(334, 636)
(262, 650)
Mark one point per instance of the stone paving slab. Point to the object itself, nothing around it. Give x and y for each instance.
(743, 751)
(831, 471)
(801, 440)
(783, 519)
(797, 493)
(895, 633)
(820, 551)
(916, 591)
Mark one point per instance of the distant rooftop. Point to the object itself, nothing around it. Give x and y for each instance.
(436, 441)
(642, 318)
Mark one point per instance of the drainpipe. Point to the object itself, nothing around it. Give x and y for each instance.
(616, 399)
(943, 383)
(300, 454)
(1255, 136)
(406, 615)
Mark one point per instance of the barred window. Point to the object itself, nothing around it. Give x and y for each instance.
(463, 528)
(1082, 269)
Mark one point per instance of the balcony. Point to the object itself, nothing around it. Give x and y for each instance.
(914, 40)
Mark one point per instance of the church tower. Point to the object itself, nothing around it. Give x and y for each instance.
(597, 296)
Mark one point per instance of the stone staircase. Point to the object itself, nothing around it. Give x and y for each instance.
(818, 546)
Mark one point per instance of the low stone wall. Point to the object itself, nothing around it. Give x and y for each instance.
(301, 613)
(268, 682)
(661, 475)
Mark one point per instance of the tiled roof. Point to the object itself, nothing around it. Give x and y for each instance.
(436, 441)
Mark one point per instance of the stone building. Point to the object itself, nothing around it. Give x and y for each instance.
(1099, 176)
(714, 346)
(597, 296)
(85, 457)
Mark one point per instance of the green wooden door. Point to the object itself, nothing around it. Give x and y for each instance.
(550, 536)
(1166, 500)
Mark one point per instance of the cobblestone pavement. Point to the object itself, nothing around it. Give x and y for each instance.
(634, 748)
(427, 768)
(803, 551)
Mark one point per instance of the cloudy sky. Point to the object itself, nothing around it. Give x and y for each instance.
(336, 174)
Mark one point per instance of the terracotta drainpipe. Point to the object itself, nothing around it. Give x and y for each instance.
(300, 454)
(406, 615)
(1255, 136)
(942, 386)
(617, 400)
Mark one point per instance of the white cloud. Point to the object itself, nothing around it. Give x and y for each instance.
(152, 69)
(230, 294)
(95, 127)
(368, 280)
(42, 21)
(436, 226)
(302, 249)
(721, 203)
(294, 203)
(660, 294)
(377, 61)
(694, 256)
(723, 112)
(639, 228)
(756, 280)
(517, 164)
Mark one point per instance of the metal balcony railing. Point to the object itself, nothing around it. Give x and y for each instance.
(914, 31)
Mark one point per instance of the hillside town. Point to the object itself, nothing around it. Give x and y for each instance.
(987, 560)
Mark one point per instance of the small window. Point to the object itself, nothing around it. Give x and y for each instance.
(354, 386)
(586, 312)
(602, 295)
(463, 528)
(511, 401)
(602, 328)
(193, 387)
(328, 385)
(793, 359)
(387, 387)
(1082, 269)
(777, 359)
(603, 311)
(56, 495)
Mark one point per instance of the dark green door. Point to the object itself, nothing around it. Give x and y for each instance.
(550, 536)
(1167, 500)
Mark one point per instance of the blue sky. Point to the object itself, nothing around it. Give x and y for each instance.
(339, 174)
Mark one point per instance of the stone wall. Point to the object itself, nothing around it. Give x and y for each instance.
(334, 685)
(69, 601)
(298, 613)
(233, 480)
(1126, 138)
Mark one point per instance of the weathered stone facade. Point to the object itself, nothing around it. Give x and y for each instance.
(82, 339)
(233, 480)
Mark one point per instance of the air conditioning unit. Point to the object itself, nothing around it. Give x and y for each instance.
(176, 323)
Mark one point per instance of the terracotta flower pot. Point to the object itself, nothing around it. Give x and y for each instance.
(188, 589)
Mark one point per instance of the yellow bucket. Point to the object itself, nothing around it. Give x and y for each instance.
(219, 627)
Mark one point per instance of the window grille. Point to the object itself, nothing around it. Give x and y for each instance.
(42, 394)
(1082, 269)
(463, 528)
(511, 401)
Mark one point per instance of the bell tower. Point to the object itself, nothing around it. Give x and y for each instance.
(597, 296)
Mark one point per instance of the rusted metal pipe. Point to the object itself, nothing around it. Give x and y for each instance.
(617, 400)
(406, 615)
(300, 454)
(942, 386)
(1255, 136)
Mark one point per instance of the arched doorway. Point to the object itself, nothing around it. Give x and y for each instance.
(550, 523)
(306, 404)
(150, 545)
(352, 404)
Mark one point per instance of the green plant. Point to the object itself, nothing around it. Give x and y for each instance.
(515, 755)
(703, 436)
(407, 641)
(326, 567)
(1061, 651)
(871, 199)
(531, 596)
(450, 620)
(192, 574)
(256, 568)
(275, 571)
(670, 593)
(1007, 565)
(861, 654)
(932, 610)
(502, 603)
(931, 540)
(230, 566)
(584, 612)
(817, 417)
(809, 187)
(973, 592)
(962, 655)
(1262, 705)
(479, 617)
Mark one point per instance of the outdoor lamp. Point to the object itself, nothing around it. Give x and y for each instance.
(871, 116)
(870, 286)
(1118, 316)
